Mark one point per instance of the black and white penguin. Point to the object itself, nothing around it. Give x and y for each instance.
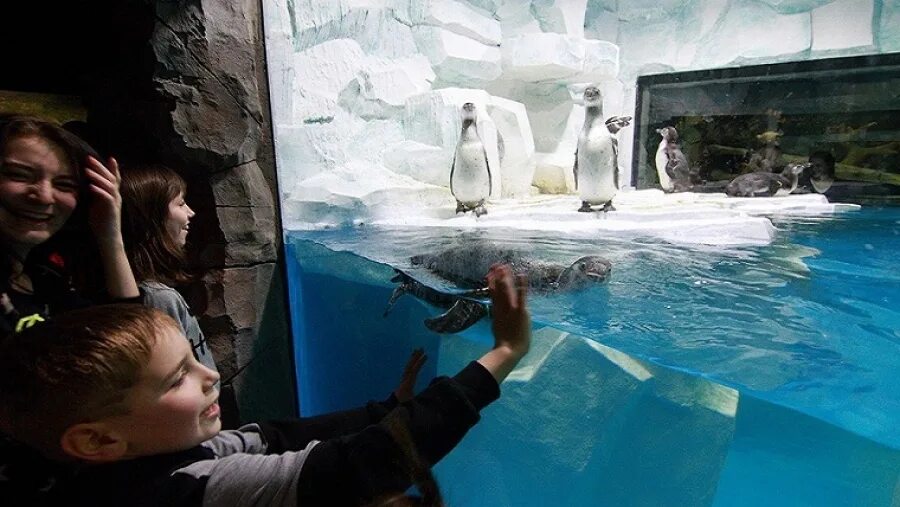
(766, 184)
(596, 168)
(671, 163)
(470, 173)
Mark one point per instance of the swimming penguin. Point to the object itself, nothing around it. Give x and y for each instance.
(470, 173)
(766, 184)
(671, 163)
(596, 169)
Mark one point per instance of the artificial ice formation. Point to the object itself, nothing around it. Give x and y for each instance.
(366, 93)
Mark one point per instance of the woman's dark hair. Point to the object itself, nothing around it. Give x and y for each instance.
(147, 190)
(69, 241)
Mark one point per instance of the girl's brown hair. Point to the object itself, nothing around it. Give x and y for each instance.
(146, 192)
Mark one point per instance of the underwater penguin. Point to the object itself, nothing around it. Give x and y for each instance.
(766, 184)
(671, 163)
(596, 169)
(470, 174)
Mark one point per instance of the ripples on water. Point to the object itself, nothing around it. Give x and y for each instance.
(812, 315)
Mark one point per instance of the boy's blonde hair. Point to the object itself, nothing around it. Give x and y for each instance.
(74, 368)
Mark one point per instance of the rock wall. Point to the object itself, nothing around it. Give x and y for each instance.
(191, 91)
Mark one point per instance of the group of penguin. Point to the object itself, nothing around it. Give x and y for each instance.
(596, 164)
(595, 169)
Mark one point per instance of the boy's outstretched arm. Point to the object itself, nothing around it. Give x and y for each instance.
(512, 323)
(384, 457)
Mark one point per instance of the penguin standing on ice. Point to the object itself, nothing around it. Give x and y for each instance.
(470, 173)
(671, 163)
(596, 169)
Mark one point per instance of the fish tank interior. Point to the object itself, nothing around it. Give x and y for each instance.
(847, 107)
(741, 351)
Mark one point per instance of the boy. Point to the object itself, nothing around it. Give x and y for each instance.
(116, 395)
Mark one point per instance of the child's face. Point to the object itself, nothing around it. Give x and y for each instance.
(179, 219)
(174, 405)
(38, 191)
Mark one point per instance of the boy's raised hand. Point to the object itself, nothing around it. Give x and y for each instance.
(512, 322)
(406, 388)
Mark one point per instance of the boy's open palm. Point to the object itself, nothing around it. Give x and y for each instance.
(512, 322)
(406, 388)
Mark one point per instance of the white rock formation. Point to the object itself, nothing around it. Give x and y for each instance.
(752, 30)
(320, 73)
(381, 27)
(457, 17)
(843, 24)
(382, 86)
(560, 16)
(457, 59)
(558, 58)
(517, 161)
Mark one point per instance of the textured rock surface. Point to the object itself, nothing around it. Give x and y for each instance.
(204, 114)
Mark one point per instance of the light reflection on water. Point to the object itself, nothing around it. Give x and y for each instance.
(810, 321)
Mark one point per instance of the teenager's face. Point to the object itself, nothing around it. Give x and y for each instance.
(174, 406)
(38, 191)
(179, 219)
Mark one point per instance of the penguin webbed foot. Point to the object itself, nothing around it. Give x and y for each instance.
(479, 210)
(585, 207)
(460, 208)
(462, 315)
(608, 207)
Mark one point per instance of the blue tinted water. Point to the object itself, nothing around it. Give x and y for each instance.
(695, 376)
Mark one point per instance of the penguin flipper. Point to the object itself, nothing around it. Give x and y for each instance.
(398, 291)
(670, 168)
(575, 169)
(452, 170)
(488, 166)
(462, 315)
(615, 145)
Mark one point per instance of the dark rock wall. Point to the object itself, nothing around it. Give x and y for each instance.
(188, 88)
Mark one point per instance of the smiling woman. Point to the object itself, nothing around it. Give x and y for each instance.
(51, 181)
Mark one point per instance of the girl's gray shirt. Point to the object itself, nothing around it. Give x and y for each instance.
(162, 297)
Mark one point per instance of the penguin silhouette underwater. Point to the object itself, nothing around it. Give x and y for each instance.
(596, 168)
(470, 172)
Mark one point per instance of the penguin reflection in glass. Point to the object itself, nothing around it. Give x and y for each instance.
(470, 173)
(671, 163)
(596, 156)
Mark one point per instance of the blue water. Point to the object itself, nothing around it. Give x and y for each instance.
(695, 376)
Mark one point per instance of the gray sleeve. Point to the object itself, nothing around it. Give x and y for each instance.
(247, 438)
(168, 300)
(241, 475)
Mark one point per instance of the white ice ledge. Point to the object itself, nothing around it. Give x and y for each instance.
(683, 218)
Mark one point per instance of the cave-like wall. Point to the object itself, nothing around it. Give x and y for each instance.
(184, 83)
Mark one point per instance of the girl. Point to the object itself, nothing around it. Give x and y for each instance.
(155, 224)
(52, 186)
